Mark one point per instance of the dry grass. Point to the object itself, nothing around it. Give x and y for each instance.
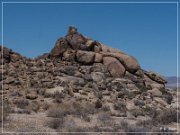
(76, 109)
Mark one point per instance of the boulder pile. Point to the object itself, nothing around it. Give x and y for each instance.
(81, 69)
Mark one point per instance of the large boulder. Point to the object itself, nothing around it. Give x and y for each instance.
(69, 55)
(85, 57)
(114, 66)
(75, 39)
(106, 48)
(156, 77)
(60, 47)
(129, 62)
(53, 91)
(98, 58)
(152, 84)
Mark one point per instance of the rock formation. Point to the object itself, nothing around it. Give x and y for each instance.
(82, 69)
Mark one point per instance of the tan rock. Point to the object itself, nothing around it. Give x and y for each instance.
(31, 96)
(60, 47)
(106, 48)
(160, 101)
(155, 92)
(156, 77)
(114, 66)
(85, 57)
(151, 83)
(130, 63)
(55, 90)
(98, 57)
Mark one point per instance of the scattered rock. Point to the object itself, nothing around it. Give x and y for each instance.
(31, 96)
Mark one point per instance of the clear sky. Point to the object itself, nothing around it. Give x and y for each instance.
(145, 31)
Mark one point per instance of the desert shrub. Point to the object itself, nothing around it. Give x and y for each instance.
(105, 108)
(130, 128)
(69, 70)
(166, 116)
(125, 93)
(130, 95)
(81, 110)
(23, 111)
(86, 118)
(45, 106)
(48, 95)
(137, 112)
(41, 92)
(141, 87)
(149, 111)
(168, 98)
(15, 94)
(57, 111)
(104, 118)
(98, 104)
(163, 90)
(121, 106)
(139, 103)
(99, 95)
(55, 123)
(121, 94)
(121, 126)
(146, 123)
(35, 106)
(22, 103)
(124, 124)
(64, 109)
(58, 97)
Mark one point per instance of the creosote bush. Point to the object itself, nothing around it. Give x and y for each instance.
(55, 123)
(22, 103)
(167, 116)
(121, 106)
(104, 118)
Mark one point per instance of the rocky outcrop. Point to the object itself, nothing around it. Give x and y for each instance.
(81, 69)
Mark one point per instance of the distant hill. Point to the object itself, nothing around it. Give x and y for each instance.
(172, 81)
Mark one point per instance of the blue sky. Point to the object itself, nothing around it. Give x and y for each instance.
(145, 31)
